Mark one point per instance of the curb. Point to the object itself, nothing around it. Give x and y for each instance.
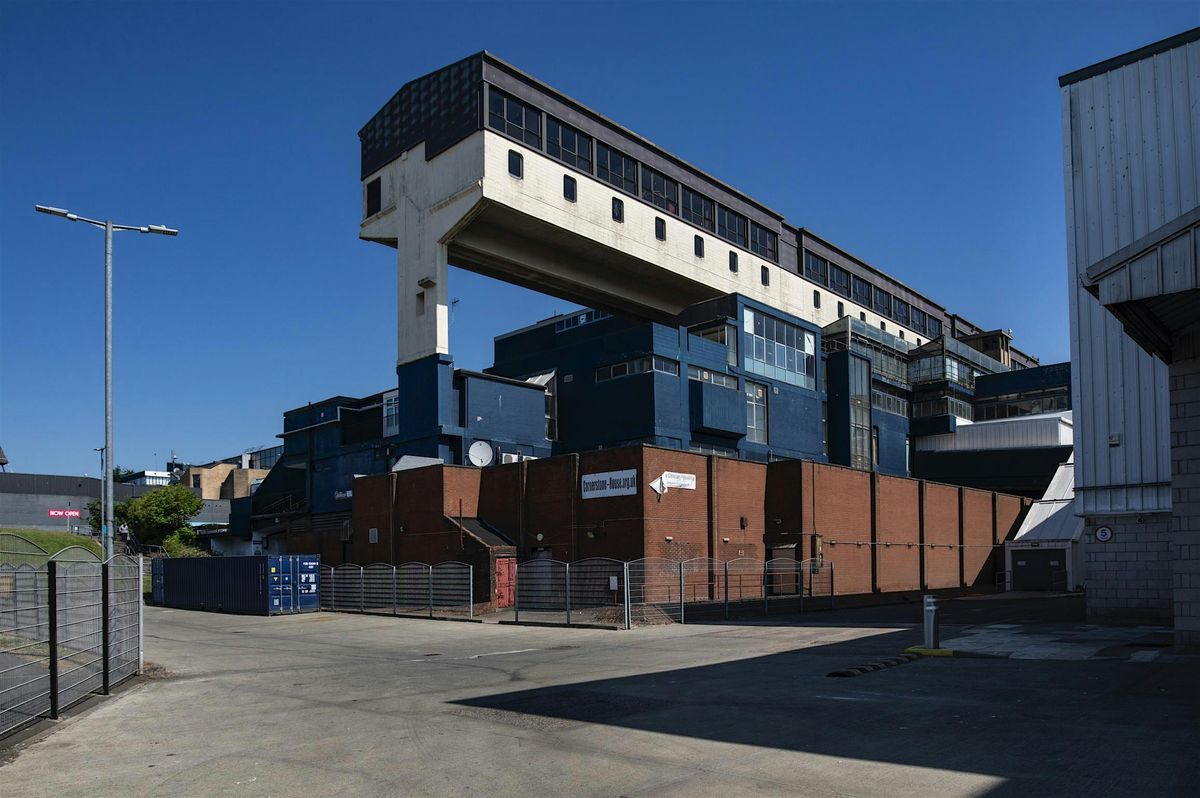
(562, 625)
(920, 651)
(890, 662)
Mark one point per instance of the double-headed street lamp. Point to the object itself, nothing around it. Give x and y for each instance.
(109, 227)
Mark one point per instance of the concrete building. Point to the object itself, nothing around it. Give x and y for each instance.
(1131, 144)
(484, 166)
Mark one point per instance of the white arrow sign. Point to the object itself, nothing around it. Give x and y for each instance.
(673, 479)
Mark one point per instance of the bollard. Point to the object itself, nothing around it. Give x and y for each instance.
(932, 635)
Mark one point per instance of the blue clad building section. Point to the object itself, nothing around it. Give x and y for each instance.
(260, 585)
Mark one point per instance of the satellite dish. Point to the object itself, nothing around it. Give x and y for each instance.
(480, 453)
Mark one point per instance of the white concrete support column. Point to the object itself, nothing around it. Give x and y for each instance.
(422, 301)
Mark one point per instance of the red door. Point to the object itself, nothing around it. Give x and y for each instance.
(506, 570)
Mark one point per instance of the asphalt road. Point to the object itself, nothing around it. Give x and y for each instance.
(357, 705)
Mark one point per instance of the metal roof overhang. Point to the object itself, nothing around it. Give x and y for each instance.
(1153, 285)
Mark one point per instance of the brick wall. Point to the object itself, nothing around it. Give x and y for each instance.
(550, 489)
(500, 498)
(898, 527)
(679, 514)
(739, 513)
(841, 512)
(978, 554)
(1010, 510)
(941, 536)
(1185, 485)
(615, 523)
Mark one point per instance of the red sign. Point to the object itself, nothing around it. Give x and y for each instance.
(63, 513)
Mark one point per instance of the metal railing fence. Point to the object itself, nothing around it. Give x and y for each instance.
(414, 588)
(70, 627)
(595, 591)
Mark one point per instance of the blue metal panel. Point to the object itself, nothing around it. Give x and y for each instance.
(294, 583)
(893, 437)
(716, 410)
(247, 585)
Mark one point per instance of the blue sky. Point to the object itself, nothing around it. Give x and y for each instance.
(924, 138)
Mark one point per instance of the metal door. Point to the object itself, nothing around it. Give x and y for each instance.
(1039, 569)
(506, 569)
(279, 582)
(306, 577)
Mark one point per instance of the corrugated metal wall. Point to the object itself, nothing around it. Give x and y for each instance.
(1130, 139)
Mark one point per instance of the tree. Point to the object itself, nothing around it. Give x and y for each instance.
(163, 514)
(122, 474)
(96, 520)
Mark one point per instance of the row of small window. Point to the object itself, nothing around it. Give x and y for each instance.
(516, 168)
(778, 349)
(639, 365)
(942, 406)
(715, 377)
(943, 367)
(859, 290)
(574, 147)
(579, 319)
(1021, 407)
(889, 403)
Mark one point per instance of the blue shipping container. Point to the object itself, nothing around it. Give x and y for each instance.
(260, 585)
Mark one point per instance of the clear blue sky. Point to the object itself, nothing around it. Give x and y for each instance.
(924, 138)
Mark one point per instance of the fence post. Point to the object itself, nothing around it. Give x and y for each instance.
(832, 592)
(52, 637)
(141, 614)
(395, 596)
(628, 610)
(362, 589)
(766, 606)
(681, 601)
(430, 567)
(332, 591)
(470, 591)
(104, 631)
(567, 567)
(516, 592)
(800, 584)
(726, 569)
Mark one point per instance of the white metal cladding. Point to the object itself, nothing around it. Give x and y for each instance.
(1131, 164)
(1023, 432)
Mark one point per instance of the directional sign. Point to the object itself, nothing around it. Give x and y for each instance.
(673, 479)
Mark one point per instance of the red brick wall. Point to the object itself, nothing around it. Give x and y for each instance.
(500, 498)
(978, 551)
(898, 527)
(841, 502)
(372, 509)
(737, 493)
(1010, 510)
(616, 523)
(784, 503)
(679, 514)
(550, 492)
(941, 536)
(460, 491)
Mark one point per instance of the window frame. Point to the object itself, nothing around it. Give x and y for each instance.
(604, 168)
(573, 157)
(570, 188)
(517, 158)
(530, 136)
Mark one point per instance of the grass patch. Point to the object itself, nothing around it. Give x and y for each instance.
(53, 542)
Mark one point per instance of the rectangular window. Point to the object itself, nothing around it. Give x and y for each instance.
(391, 413)
(839, 280)
(732, 261)
(660, 190)
(817, 299)
(513, 117)
(862, 316)
(756, 412)
(731, 226)
(765, 275)
(699, 210)
(660, 228)
(917, 320)
(568, 145)
(900, 312)
(933, 327)
(699, 246)
(841, 309)
(883, 326)
(778, 350)
(875, 445)
(613, 166)
(862, 292)
(816, 268)
(196, 481)
(618, 210)
(640, 365)
(375, 196)
(569, 188)
(764, 242)
(883, 303)
(516, 164)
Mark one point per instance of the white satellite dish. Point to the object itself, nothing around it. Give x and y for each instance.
(480, 454)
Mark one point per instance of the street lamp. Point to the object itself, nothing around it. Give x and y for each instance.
(100, 449)
(108, 227)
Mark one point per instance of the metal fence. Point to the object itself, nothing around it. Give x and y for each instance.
(433, 591)
(70, 626)
(595, 591)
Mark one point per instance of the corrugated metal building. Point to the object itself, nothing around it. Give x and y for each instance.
(1131, 136)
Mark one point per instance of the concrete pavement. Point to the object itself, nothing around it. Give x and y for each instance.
(344, 704)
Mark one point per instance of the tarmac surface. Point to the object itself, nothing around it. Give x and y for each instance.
(332, 704)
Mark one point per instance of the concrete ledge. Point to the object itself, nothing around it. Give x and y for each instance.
(921, 651)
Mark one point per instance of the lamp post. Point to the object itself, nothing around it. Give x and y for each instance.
(100, 449)
(109, 228)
